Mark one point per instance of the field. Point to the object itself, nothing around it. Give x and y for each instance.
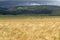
(29, 28)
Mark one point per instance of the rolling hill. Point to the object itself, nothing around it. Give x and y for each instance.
(41, 9)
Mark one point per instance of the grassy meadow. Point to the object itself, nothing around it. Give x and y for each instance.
(29, 27)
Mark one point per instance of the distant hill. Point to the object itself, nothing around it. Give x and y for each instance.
(42, 9)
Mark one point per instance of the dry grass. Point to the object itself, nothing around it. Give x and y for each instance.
(30, 29)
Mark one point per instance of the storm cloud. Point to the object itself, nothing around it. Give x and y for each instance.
(12, 3)
(29, 0)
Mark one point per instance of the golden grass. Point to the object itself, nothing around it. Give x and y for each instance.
(30, 28)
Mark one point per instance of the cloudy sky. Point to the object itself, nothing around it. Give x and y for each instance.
(11, 3)
(29, 0)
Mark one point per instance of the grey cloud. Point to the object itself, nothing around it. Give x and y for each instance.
(29, 0)
(12, 3)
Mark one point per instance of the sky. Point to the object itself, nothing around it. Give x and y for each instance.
(12, 3)
(29, 0)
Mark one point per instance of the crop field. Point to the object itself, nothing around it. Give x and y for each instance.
(30, 28)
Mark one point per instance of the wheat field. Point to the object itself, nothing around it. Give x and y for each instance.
(31, 28)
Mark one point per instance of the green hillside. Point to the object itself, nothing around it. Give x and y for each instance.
(38, 10)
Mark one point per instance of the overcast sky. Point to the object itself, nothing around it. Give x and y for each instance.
(10, 3)
(29, 0)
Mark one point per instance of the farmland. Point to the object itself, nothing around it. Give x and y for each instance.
(29, 28)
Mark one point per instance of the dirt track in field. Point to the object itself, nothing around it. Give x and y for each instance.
(30, 29)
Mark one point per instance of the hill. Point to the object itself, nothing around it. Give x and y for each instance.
(42, 9)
